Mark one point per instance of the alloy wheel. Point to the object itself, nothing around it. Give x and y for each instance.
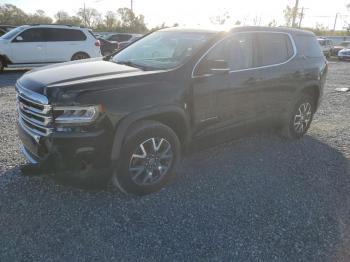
(150, 161)
(302, 118)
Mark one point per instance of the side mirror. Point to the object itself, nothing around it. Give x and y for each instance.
(19, 38)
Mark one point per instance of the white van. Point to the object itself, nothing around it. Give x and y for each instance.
(36, 45)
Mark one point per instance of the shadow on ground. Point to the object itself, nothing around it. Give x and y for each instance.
(253, 199)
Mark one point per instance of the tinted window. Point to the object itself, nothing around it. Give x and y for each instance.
(273, 48)
(237, 51)
(119, 38)
(57, 35)
(33, 35)
(308, 46)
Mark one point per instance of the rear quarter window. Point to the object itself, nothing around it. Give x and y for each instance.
(273, 48)
(308, 46)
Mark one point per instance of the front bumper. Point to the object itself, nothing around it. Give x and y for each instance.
(66, 151)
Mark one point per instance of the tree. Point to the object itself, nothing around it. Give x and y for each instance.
(130, 22)
(39, 17)
(289, 13)
(90, 16)
(12, 15)
(273, 23)
(220, 18)
(63, 18)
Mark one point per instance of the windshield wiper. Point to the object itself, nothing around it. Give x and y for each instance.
(132, 64)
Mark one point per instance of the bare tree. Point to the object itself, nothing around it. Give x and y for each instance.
(289, 13)
(90, 16)
(220, 18)
(12, 15)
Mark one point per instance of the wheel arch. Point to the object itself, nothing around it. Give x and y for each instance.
(314, 91)
(172, 116)
(80, 52)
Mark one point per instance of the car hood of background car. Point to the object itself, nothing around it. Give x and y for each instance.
(76, 72)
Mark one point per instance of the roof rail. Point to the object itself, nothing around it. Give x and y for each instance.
(81, 26)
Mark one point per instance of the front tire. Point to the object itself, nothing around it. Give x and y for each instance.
(80, 56)
(148, 158)
(300, 118)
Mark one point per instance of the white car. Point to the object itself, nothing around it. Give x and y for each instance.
(344, 54)
(37, 45)
(326, 46)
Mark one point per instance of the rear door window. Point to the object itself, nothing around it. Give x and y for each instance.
(59, 35)
(273, 48)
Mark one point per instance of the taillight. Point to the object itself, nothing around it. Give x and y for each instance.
(98, 43)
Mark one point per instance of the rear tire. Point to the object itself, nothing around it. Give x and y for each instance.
(300, 118)
(148, 158)
(80, 56)
(1, 65)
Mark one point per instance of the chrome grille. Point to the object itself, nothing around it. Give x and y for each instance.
(35, 113)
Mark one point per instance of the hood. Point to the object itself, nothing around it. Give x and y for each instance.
(75, 72)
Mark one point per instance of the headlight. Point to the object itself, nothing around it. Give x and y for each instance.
(76, 115)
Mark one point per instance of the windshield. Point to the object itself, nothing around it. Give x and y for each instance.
(12, 33)
(162, 50)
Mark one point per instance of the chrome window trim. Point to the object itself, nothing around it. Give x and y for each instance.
(247, 69)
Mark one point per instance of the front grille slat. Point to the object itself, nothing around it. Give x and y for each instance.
(35, 114)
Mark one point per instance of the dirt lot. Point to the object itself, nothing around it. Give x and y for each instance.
(258, 198)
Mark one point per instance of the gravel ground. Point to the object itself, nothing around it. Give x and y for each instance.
(258, 198)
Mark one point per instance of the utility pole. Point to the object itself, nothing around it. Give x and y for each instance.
(132, 6)
(84, 15)
(335, 21)
(295, 12)
(301, 16)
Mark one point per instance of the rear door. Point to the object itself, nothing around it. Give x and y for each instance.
(278, 75)
(29, 47)
(64, 43)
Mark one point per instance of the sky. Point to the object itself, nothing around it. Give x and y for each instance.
(198, 12)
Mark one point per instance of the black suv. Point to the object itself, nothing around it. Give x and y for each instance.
(131, 114)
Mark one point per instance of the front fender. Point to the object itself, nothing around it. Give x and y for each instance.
(125, 123)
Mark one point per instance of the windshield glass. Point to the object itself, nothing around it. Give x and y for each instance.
(163, 49)
(12, 33)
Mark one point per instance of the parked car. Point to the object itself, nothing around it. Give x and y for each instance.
(342, 45)
(122, 37)
(131, 116)
(122, 45)
(344, 54)
(37, 45)
(107, 47)
(5, 28)
(326, 46)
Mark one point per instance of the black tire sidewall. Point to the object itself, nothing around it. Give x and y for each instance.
(80, 53)
(132, 142)
(291, 130)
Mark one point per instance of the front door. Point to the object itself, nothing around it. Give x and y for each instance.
(29, 47)
(228, 98)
